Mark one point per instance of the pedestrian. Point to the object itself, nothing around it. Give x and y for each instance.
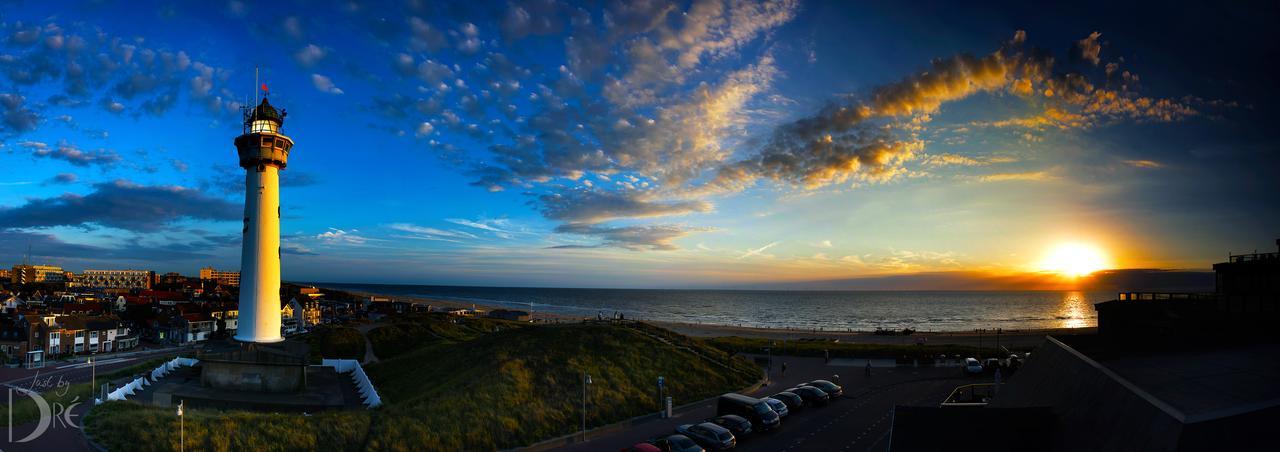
(784, 368)
(868, 368)
(826, 356)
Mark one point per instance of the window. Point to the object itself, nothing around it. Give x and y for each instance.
(79, 334)
(263, 126)
(267, 141)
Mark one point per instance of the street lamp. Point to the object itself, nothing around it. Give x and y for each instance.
(182, 434)
(586, 380)
(93, 378)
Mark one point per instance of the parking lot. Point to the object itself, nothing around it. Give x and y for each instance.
(858, 421)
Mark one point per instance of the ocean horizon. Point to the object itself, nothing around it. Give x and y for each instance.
(829, 310)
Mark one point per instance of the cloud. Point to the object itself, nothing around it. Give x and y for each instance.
(1088, 49)
(594, 206)
(324, 85)
(757, 251)
(120, 204)
(179, 165)
(868, 138)
(17, 117)
(500, 227)
(342, 237)
(1050, 117)
(308, 56)
(429, 233)
(71, 154)
(62, 179)
(49, 245)
(641, 237)
(423, 129)
(1148, 164)
(1024, 176)
(947, 159)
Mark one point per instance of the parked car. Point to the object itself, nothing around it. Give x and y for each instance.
(642, 447)
(708, 435)
(677, 443)
(833, 390)
(793, 401)
(778, 406)
(972, 366)
(811, 395)
(737, 425)
(757, 411)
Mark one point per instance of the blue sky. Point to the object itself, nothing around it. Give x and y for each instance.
(640, 144)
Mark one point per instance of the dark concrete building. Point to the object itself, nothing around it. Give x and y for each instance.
(1166, 371)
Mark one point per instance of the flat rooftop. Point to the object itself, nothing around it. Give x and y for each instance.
(1201, 382)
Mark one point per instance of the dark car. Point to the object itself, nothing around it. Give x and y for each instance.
(677, 443)
(708, 435)
(755, 410)
(793, 401)
(737, 425)
(833, 390)
(811, 395)
(778, 407)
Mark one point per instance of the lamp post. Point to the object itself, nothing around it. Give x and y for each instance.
(182, 434)
(93, 377)
(586, 380)
(768, 372)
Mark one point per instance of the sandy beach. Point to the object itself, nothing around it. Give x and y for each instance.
(1022, 338)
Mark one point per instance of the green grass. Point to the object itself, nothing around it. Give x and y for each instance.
(336, 342)
(417, 330)
(738, 344)
(520, 386)
(479, 385)
(130, 426)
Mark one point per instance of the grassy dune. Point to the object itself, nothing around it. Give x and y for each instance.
(336, 342)
(476, 385)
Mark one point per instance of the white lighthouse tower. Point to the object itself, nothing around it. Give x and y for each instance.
(264, 151)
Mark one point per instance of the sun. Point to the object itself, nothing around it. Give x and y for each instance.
(1074, 259)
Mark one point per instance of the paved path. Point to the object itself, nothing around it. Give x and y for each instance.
(859, 421)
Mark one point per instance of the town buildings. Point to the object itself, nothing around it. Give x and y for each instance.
(222, 277)
(114, 279)
(36, 274)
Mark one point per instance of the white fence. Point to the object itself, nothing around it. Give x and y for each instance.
(367, 392)
(159, 372)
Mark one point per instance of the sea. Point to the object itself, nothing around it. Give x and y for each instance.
(789, 309)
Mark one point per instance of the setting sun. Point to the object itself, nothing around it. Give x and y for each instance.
(1074, 259)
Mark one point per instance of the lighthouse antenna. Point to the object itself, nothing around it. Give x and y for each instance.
(255, 85)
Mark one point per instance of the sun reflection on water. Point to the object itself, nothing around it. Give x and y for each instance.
(1075, 311)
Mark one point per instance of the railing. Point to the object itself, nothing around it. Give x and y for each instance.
(971, 395)
(1255, 257)
(1153, 296)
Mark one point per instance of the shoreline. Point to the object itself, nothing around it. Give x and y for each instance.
(1028, 337)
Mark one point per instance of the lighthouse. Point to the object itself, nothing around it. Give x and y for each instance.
(264, 152)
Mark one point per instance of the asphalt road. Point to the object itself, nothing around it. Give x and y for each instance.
(858, 421)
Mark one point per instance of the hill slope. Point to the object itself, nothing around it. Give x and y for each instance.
(474, 385)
